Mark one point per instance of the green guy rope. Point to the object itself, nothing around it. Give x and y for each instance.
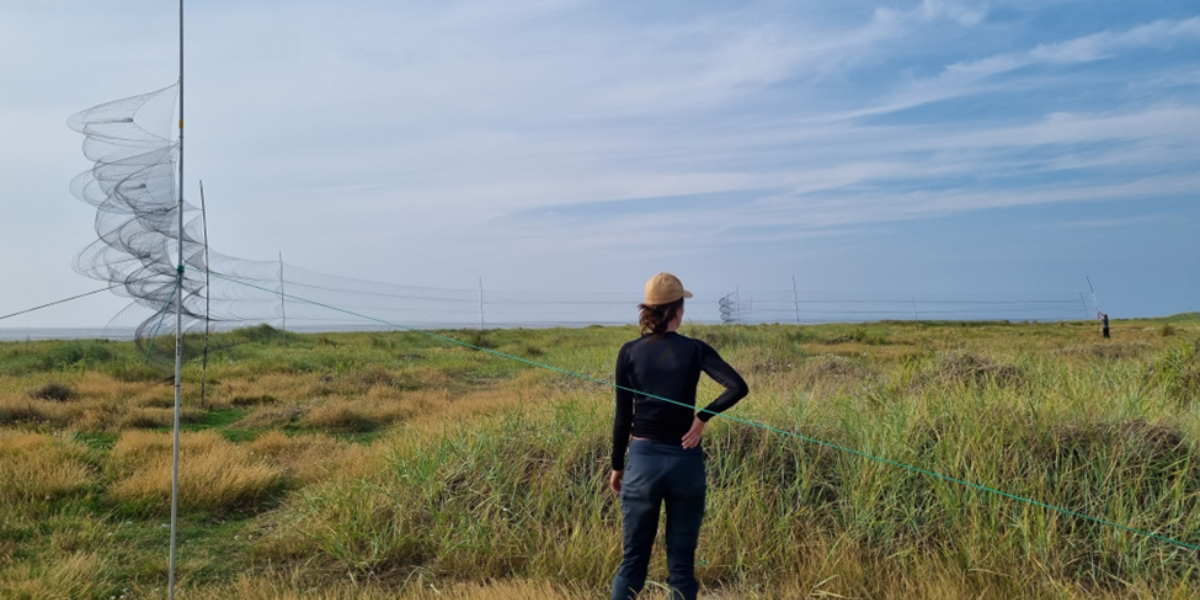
(57, 302)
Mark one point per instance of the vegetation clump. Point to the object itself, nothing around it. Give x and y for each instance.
(54, 391)
(967, 369)
(220, 476)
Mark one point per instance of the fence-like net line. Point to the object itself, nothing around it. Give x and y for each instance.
(133, 187)
(804, 306)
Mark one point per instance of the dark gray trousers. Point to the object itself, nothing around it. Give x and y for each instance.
(658, 474)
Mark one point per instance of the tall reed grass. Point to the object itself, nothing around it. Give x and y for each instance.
(522, 495)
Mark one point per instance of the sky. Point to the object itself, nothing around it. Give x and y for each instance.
(923, 147)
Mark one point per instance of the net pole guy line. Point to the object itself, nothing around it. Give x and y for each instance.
(207, 299)
(801, 437)
(65, 300)
(178, 337)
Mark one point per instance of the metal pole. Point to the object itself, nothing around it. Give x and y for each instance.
(207, 299)
(178, 335)
(481, 305)
(282, 293)
(796, 298)
(914, 301)
(1094, 301)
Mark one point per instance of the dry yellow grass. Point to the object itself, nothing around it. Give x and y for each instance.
(101, 403)
(21, 409)
(311, 458)
(381, 406)
(933, 585)
(433, 492)
(90, 385)
(354, 415)
(266, 389)
(214, 473)
(78, 575)
(294, 588)
(39, 467)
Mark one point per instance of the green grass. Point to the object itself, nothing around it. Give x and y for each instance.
(455, 464)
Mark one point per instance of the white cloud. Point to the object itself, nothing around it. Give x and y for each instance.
(962, 13)
(1089, 48)
(366, 131)
(1112, 223)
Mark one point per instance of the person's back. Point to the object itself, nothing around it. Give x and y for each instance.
(668, 365)
(656, 420)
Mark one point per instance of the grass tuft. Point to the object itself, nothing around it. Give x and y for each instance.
(967, 369)
(78, 575)
(37, 467)
(216, 475)
(348, 415)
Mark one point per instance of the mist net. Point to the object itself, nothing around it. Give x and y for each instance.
(133, 187)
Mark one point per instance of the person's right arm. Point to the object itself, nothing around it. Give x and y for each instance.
(720, 371)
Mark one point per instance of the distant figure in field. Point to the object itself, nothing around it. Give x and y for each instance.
(666, 462)
(1104, 319)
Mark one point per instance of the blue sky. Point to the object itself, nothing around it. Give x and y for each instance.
(934, 146)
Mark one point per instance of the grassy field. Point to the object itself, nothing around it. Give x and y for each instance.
(393, 465)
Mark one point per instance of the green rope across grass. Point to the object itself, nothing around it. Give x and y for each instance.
(798, 436)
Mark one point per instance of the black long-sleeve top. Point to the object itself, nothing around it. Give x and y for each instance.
(668, 366)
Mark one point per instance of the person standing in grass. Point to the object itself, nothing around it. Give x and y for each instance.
(666, 462)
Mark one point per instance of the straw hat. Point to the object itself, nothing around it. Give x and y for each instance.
(665, 288)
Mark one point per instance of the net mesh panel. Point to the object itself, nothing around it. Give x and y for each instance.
(132, 185)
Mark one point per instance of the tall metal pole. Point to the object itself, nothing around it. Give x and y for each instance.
(1094, 301)
(480, 306)
(178, 334)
